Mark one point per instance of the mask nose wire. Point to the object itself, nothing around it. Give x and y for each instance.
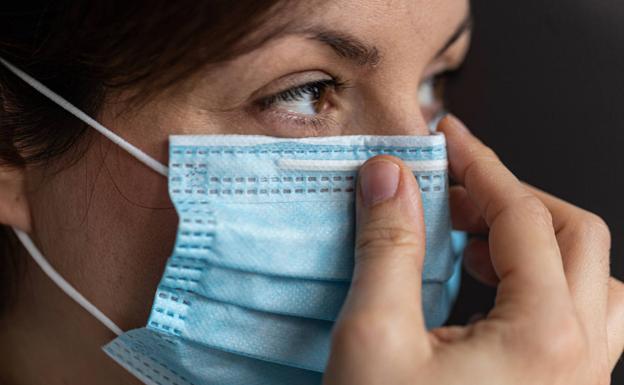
(66, 105)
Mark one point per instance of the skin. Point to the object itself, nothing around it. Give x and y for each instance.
(106, 222)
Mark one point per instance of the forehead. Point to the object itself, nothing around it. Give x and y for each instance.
(377, 13)
(390, 24)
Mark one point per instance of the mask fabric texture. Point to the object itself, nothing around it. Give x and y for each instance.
(264, 256)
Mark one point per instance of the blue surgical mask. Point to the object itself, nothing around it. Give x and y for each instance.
(264, 253)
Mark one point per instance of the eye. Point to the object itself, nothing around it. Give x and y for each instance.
(307, 99)
(431, 90)
(431, 97)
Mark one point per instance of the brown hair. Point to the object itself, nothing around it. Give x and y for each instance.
(82, 50)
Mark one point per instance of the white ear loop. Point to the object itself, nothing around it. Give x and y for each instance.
(29, 245)
(63, 284)
(63, 103)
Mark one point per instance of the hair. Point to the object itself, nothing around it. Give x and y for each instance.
(83, 50)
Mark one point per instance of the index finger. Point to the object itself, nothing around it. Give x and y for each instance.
(523, 246)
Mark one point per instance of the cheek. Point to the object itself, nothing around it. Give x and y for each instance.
(109, 227)
(138, 224)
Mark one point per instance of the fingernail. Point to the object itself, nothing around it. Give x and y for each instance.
(378, 181)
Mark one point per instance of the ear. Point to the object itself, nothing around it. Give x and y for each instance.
(14, 207)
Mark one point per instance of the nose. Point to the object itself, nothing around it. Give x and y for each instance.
(391, 111)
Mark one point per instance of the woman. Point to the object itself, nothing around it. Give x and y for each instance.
(285, 69)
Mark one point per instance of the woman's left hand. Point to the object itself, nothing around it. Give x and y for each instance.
(584, 240)
(558, 316)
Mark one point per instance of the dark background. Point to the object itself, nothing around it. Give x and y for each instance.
(543, 85)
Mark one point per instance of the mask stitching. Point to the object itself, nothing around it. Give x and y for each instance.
(196, 235)
(437, 179)
(200, 221)
(285, 191)
(267, 179)
(174, 298)
(169, 313)
(166, 328)
(165, 298)
(183, 279)
(136, 367)
(189, 259)
(142, 358)
(235, 151)
(186, 267)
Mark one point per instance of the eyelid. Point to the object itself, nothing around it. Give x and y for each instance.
(455, 54)
(290, 81)
(447, 61)
(441, 66)
(271, 100)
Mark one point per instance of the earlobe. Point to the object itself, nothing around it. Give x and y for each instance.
(14, 207)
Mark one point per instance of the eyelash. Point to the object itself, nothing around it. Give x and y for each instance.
(441, 79)
(316, 88)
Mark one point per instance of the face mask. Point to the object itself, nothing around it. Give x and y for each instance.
(264, 253)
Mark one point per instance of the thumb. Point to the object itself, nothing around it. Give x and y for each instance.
(390, 240)
(383, 312)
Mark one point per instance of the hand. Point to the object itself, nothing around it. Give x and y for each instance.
(558, 317)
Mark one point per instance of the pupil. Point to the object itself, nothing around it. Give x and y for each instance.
(315, 91)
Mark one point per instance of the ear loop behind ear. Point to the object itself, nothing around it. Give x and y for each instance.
(29, 245)
(66, 105)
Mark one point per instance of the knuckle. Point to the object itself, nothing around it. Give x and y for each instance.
(482, 152)
(616, 297)
(589, 227)
(481, 163)
(380, 236)
(527, 206)
(617, 288)
(489, 156)
(533, 207)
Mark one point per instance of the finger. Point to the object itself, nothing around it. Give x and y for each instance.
(382, 316)
(615, 321)
(585, 242)
(523, 246)
(574, 229)
(465, 215)
(477, 261)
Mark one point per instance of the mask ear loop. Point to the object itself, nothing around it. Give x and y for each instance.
(66, 105)
(29, 245)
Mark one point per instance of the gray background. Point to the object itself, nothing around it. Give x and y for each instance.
(543, 85)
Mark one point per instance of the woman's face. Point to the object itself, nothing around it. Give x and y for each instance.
(340, 68)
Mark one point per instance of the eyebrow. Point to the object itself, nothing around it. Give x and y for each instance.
(464, 26)
(362, 54)
(348, 47)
